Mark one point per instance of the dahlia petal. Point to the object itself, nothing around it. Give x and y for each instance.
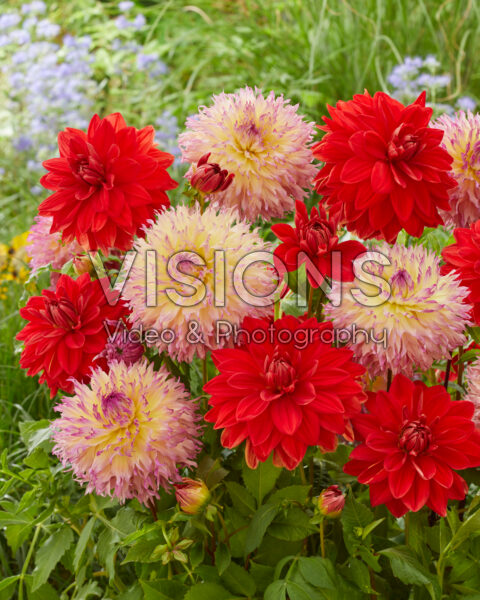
(381, 178)
(287, 416)
(355, 170)
(400, 481)
(417, 494)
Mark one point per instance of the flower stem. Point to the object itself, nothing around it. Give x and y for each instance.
(389, 379)
(322, 538)
(310, 300)
(153, 509)
(205, 370)
(461, 367)
(447, 373)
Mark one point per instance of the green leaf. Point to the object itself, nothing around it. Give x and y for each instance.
(259, 525)
(406, 566)
(276, 591)
(222, 558)
(82, 543)
(36, 434)
(355, 517)
(291, 526)
(106, 550)
(260, 481)
(239, 581)
(369, 528)
(318, 571)
(91, 588)
(163, 589)
(469, 528)
(49, 554)
(142, 551)
(299, 590)
(242, 499)
(7, 587)
(360, 575)
(208, 591)
(294, 493)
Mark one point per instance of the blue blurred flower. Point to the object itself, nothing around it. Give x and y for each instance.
(466, 103)
(47, 29)
(139, 21)
(35, 7)
(9, 20)
(125, 6)
(22, 143)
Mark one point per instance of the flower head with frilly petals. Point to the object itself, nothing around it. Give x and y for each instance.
(128, 432)
(384, 167)
(414, 439)
(462, 142)
(263, 141)
(185, 303)
(472, 377)
(419, 314)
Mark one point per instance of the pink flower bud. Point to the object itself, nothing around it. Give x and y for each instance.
(192, 495)
(209, 178)
(331, 501)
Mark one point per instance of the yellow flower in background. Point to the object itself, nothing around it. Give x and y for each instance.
(14, 261)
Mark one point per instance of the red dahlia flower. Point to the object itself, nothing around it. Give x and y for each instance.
(283, 390)
(384, 168)
(464, 258)
(108, 183)
(66, 331)
(314, 238)
(413, 438)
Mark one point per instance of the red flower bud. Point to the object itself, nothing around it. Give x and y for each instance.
(209, 178)
(331, 501)
(192, 495)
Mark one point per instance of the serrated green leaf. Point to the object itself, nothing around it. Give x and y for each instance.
(260, 481)
(82, 543)
(294, 493)
(163, 589)
(239, 581)
(259, 525)
(208, 591)
(222, 558)
(49, 554)
(276, 591)
(242, 499)
(406, 566)
(317, 571)
(292, 525)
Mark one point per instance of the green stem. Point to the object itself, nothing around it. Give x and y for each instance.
(310, 300)
(27, 561)
(407, 528)
(322, 538)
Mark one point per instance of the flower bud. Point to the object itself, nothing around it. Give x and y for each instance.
(192, 495)
(209, 178)
(82, 264)
(331, 501)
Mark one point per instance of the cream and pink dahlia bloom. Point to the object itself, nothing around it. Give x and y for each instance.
(187, 299)
(472, 377)
(462, 141)
(128, 432)
(47, 248)
(263, 141)
(416, 314)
